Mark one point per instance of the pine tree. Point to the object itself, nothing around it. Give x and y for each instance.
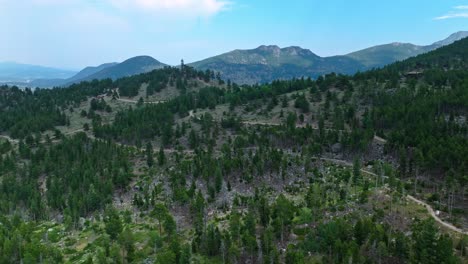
(149, 154)
(113, 223)
(161, 156)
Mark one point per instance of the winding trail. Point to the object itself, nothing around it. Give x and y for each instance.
(9, 139)
(433, 214)
(155, 150)
(409, 197)
(74, 131)
(313, 126)
(135, 102)
(379, 139)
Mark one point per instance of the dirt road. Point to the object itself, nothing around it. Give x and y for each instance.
(379, 139)
(412, 198)
(134, 102)
(9, 139)
(434, 215)
(313, 126)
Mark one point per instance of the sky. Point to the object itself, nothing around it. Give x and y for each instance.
(72, 34)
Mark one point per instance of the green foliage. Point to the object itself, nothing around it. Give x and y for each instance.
(25, 112)
(161, 157)
(302, 103)
(429, 246)
(79, 176)
(19, 243)
(149, 154)
(113, 223)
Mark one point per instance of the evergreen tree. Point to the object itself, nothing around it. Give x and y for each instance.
(113, 223)
(149, 154)
(161, 156)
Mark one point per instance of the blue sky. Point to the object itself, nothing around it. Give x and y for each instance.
(78, 33)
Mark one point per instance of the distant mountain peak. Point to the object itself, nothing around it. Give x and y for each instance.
(276, 51)
(452, 38)
(143, 59)
(268, 48)
(298, 51)
(459, 35)
(398, 44)
(131, 66)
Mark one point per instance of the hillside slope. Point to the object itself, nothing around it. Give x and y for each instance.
(88, 71)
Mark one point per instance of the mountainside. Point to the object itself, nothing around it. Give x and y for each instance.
(451, 39)
(88, 71)
(453, 57)
(17, 72)
(381, 55)
(385, 54)
(267, 63)
(265, 55)
(132, 66)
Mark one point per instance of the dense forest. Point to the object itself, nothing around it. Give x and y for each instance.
(422, 111)
(294, 171)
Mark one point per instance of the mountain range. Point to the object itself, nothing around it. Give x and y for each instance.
(259, 65)
(267, 63)
(18, 72)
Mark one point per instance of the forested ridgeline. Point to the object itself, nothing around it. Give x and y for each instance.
(179, 77)
(146, 122)
(26, 111)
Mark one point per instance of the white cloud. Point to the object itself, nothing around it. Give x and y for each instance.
(460, 13)
(453, 15)
(187, 8)
(191, 8)
(51, 2)
(76, 33)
